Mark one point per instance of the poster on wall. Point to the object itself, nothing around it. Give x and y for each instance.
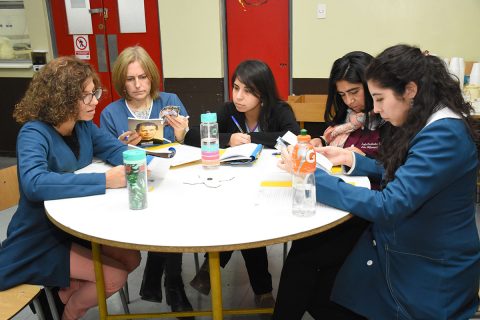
(81, 46)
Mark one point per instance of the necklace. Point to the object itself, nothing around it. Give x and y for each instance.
(250, 129)
(143, 113)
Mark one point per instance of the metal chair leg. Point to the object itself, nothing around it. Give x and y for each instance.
(197, 264)
(285, 251)
(51, 303)
(124, 301)
(127, 295)
(38, 309)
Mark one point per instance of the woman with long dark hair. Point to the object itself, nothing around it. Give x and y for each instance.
(420, 256)
(313, 262)
(263, 117)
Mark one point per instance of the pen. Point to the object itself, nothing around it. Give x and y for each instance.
(236, 123)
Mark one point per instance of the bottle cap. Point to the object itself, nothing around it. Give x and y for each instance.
(208, 117)
(134, 155)
(304, 137)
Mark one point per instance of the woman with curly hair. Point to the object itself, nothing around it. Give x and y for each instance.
(57, 138)
(420, 256)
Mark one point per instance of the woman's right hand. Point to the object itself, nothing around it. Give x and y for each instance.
(337, 155)
(130, 137)
(115, 177)
(237, 139)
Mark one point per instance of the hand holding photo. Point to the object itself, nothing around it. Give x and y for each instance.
(150, 131)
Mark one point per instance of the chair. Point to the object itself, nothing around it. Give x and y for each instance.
(308, 108)
(15, 299)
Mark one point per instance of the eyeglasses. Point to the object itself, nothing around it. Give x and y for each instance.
(87, 98)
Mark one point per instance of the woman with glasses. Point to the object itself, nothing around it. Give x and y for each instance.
(57, 138)
(136, 79)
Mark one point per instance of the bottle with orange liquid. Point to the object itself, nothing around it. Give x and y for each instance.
(303, 179)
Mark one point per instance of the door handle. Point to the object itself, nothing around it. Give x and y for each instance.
(95, 10)
(103, 11)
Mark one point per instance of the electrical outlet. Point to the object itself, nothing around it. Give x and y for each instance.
(321, 11)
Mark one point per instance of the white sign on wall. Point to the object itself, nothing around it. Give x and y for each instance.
(82, 47)
(79, 19)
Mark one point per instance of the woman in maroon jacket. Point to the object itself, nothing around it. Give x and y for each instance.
(312, 263)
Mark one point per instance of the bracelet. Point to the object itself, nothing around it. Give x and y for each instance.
(184, 134)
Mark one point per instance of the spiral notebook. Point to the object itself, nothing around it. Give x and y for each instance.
(241, 154)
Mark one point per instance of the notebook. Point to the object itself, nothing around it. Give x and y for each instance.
(241, 154)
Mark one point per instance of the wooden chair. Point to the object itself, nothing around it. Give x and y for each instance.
(15, 299)
(308, 108)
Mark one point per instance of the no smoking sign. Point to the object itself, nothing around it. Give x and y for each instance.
(81, 46)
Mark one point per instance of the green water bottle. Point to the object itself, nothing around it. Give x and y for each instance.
(135, 162)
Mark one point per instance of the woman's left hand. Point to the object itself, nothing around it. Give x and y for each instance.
(179, 125)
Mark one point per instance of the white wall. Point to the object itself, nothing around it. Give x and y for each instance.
(444, 27)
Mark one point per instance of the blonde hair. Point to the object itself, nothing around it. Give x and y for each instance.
(120, 67)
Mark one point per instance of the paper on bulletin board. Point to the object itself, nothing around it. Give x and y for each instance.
(79, 18)
(131, 14)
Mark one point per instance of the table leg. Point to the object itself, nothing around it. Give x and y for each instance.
(97, 263)
(216, 285)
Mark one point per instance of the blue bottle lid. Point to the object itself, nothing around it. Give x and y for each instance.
(208, 117)
(134, 155)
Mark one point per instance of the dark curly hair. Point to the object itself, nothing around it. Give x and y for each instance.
(55, 91)
(393, 69)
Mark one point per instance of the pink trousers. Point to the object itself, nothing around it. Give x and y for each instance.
(82, 293)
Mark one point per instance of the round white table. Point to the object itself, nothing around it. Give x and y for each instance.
(243, 207)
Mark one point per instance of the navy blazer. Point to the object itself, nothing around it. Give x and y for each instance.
(420, 258)
(35, 251)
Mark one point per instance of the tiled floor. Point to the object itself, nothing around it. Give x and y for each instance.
(236, 289)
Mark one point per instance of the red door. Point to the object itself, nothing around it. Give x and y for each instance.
(259, 29)
(106, 41)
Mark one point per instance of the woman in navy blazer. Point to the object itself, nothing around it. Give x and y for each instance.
(420, 257)
(57, 138)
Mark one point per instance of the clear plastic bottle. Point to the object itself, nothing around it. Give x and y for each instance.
(209, 140)
(135, 162)
(303, 179)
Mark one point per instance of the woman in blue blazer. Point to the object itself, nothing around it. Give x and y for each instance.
(56, 139)
(136, 79)
(420, 257)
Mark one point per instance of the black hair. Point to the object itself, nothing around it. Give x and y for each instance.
(393, 69)
(351, 67)
(146, 124)
(257, 76)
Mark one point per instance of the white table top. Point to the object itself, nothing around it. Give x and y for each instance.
(190, 218)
